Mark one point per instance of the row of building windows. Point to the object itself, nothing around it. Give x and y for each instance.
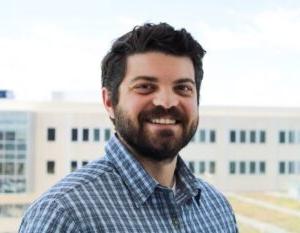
(205, 136)
(259, 167)
(12, 184)
(235, 167)
(247, 167)
(7, 135)
(12, 135)
(247, 136)
(12, 210)
(84, 134)
(201, 136)
(197, 167)
(289, 136)
(10, 168)
(289, 167)
(12, 146)
(12, 156)
(76, 164)
(201, 167)
(73, 165)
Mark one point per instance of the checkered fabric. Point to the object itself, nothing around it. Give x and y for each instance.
(115, 194)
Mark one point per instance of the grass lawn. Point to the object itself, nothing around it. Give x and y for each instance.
(247, 229)
(279, 201)
(290, 223)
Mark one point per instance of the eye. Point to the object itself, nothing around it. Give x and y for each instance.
(184, 89)
(144, 88)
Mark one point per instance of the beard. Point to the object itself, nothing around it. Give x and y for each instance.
(163, 144)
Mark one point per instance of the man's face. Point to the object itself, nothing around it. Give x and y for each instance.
(157, 112)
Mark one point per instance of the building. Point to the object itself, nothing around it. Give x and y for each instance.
(234, 148)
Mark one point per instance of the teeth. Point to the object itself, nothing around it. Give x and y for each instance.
(163, 121)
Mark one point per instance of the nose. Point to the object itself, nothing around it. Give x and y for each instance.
(165, 98)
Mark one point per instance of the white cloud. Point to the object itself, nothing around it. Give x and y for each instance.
(278, 28)
(48, 58)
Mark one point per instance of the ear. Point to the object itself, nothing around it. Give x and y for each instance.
(106, 98)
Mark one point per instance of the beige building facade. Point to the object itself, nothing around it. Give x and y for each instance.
(235, 148)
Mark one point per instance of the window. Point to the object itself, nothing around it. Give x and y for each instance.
(20, 169)
(202, 135)
(10, 136)
(51, 134)
(9, 169)
(242, 167)
(1, 135)
(232, 167)
(74, 136)
(281, 137)
(96, 135)
(291, 137)
(84, 162)
(262, 136)
(291, 167)
(106, 134)
(21, 156)
(73, 165)
(21, 147)
(85, 134)
(232, 136)
(212, 136)
(9, 146)
(212, 167)
(201, 167)
(242, 136)
(252, 136)
(281, 167)
(50, 167)
(1, 168)
(9, 155)
(262, 167)
(252, 167)
(191, 165)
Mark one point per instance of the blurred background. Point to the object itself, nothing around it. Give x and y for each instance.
(248, 142)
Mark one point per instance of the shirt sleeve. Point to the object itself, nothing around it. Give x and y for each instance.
(48, 217)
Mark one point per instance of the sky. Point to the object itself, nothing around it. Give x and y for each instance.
(253, 47)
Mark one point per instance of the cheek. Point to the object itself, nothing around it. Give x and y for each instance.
(191, 108)
(132, 107)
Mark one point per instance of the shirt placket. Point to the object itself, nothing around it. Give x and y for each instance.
(173, 211)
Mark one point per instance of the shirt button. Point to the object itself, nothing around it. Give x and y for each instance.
(175, 222)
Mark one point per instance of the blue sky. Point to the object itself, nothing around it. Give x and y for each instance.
(253, 48)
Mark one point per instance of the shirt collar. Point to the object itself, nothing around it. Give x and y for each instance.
(188, 185)
(139, 183)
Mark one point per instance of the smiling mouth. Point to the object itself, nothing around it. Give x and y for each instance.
(163, 121)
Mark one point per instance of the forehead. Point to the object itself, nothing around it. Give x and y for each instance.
(160, 66)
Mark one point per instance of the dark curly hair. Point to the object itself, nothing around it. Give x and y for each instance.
(146, 38)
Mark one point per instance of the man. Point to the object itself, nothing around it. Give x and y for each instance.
(151, 80)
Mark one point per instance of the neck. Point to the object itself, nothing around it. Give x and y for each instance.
(161, 171)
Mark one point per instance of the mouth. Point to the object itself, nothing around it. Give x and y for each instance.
(163, 121)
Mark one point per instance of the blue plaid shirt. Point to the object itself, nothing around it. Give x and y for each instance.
(117, 195)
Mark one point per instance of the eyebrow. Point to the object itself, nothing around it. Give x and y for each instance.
(185, 80)
(145, 78)
(154, 79)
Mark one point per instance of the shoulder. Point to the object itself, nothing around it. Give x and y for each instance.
(216, 205)
(214, 200)
(46, 216)
(88, 176)
(63, 201)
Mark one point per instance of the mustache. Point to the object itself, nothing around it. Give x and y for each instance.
(159, 112)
